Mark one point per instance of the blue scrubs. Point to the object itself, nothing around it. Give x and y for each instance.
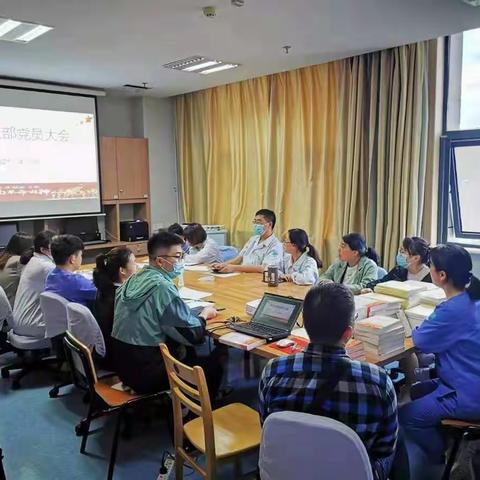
(452, 333)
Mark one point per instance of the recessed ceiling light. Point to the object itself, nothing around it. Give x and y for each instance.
(199, 64)
(225, 66)
(20, 32)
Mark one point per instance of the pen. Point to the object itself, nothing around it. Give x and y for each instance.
(221, 309)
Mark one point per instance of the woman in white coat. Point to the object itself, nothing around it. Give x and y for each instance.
(202, 249)
(301, 260)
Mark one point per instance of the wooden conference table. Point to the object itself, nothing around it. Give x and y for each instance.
(233, 292)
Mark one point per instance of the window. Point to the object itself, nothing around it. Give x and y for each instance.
(459, 206)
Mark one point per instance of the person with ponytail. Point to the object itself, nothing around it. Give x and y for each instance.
(452, 333)
(357, 264)
(112, 270)
(301, 260)
(412, 263)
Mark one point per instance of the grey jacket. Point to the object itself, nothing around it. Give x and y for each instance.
(366, 273)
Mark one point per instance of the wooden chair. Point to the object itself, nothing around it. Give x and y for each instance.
(219, 434)
(460, 431)
(105, 398)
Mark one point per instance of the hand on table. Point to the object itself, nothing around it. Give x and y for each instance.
(366, 290)
(208, 313)
(286, 277)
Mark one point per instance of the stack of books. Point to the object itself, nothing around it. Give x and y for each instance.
(432, 297)
(383, 337)
(356, 350)
(408, 291)
(241, 341)
(251, 307)
(418, 314)
(372, 304)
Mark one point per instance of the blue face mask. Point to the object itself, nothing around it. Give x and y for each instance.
(258, 229)
(402, 260)
(178, 269)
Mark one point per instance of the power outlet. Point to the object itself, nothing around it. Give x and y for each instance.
(169, 464)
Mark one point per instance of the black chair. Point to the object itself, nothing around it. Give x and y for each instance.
(460, 431)
(106, 397)
(2, 471)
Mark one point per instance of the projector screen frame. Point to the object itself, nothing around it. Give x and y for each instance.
(101, 211)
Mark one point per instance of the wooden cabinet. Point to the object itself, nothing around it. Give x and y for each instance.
(124, 168)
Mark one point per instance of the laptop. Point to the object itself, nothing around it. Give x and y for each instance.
(273, 319)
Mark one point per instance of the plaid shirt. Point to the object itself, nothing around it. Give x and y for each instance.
(364, 398)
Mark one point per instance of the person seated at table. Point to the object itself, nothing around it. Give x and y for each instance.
(12, 263)
(201, 248)
(27, 314)
(112, 270)
(452, 333)
(323, 380)
(179, 230)
(412, 263)
(301, 260)
(264, 249)
(356, 266)
(67, 253)
(150, 311)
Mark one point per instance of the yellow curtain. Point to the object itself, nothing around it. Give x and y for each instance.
(331, 148)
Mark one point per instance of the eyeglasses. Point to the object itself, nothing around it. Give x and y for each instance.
(180, 256)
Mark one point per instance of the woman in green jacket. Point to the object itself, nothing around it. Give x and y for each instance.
(356, 266)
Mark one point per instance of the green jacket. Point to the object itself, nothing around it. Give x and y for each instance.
(367, 272)
(148, 309)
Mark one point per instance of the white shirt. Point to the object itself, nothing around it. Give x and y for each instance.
(419, 276)
(267, 252)
(304, 271)
(209, 253)
(5, 309)
(350, 275)
(27, 316)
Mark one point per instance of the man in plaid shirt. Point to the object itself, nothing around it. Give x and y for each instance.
(323, 380)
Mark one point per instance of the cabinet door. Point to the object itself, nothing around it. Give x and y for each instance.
(132, 168)
(108, 168)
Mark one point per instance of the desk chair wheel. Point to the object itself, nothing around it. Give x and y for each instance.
(5, 373)
(16, 384)
(53, 393)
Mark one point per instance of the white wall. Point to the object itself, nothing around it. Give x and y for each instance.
(151, 118)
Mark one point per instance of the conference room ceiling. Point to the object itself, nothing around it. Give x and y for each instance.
(108, 43)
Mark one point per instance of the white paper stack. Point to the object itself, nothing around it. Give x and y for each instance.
(432, 297)
(242, 341)
(418, 314)
(356, 350)
(383, 337)
(372, 304)
(251, 307)
(408, 291)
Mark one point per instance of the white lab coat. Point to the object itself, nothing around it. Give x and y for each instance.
(210, 253)
(304, 271)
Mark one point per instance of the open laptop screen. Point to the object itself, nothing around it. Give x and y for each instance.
(278, 311)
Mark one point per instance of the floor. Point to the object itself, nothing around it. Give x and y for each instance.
(39, 443)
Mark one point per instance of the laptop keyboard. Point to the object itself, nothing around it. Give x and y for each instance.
(261, 329)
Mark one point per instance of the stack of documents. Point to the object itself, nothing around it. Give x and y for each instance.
(251, 307)
(418, 314)
(432, 297)
(372, 304)
(356, 350)
(241, 341)
(408, 291)
(383, 337)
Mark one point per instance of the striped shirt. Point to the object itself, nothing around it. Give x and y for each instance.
(363, 398)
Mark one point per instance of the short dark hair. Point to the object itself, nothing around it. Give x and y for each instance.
(176, 228)
(269, 215)
(417, 246)
(62, 246)
(195, 234)
(328, 309)
(162, 239)
(42, 239)
(19, 244)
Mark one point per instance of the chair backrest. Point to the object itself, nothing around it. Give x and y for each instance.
(80, 362)
(318, 447)
(188, 387)
(5, 310)
(54, 310)
(227, 252)
(83, 326)
(381, 272)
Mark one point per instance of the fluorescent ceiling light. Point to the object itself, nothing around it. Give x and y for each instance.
(33, 33)
(8, 26)
(199, 66)
(225, 66)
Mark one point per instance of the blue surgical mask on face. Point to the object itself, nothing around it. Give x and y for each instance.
(178, 269)
(258, 229)
(402, 260)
